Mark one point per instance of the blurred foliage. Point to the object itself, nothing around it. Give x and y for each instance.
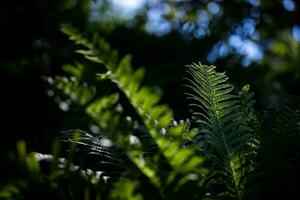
(123, 110)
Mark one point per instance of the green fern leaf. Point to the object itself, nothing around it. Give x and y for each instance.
(186, 166)
(221, 126)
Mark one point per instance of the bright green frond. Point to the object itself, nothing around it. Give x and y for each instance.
(221, 126)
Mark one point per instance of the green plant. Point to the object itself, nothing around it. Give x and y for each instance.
(179, 162)
(226, 134)
(138, 151)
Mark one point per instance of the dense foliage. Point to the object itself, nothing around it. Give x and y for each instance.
(102, 128)
(138, 150)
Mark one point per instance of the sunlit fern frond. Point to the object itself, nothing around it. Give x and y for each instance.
(218, 114)
(181, 162)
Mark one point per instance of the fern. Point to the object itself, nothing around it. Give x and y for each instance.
(248, 155)
(249, 114)
(182, 165)
(170, 155)
(93, 152)
(220, 121)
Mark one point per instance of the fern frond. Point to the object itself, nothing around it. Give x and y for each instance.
(185, 165)
(249, 116)
(221, 126)
(93, 152)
